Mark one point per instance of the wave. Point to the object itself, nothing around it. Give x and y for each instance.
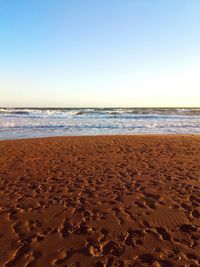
(62, 112)
(29, 122)
(14, 112)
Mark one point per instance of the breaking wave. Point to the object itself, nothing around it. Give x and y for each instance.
(29, 122)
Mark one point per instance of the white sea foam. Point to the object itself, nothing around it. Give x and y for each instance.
(24, 123)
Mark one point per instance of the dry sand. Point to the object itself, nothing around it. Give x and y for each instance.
(100, 201)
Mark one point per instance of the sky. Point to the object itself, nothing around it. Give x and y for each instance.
(102, 53)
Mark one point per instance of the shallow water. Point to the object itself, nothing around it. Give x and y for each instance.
(26, 122)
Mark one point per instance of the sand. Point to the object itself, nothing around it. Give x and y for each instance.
(100, 201)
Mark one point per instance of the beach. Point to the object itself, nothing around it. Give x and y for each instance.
(118, 200)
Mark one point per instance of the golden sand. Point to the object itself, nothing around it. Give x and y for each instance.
(100, 201)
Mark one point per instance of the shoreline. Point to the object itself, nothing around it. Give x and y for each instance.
(105, 135)
(107, 200)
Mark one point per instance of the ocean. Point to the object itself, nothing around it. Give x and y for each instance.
(18, 123)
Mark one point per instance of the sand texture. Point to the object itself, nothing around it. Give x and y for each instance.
(100, 201)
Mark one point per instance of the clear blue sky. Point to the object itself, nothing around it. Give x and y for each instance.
(99, 53)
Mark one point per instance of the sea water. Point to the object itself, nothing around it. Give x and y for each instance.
(41, 122)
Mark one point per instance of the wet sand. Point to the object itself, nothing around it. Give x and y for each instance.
(100, 201)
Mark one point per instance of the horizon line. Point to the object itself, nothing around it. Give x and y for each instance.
(93, 107)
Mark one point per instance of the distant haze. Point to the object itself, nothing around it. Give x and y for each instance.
(100, 53)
